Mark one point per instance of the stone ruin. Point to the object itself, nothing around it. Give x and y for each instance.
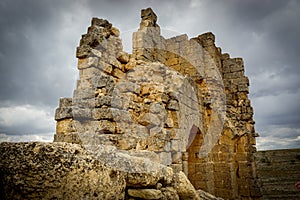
(181, 98)
(171, 120)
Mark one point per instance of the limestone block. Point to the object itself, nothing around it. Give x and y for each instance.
(89, 129)
(184, 188)
(126, 86)
(135, 130)
(103, 126)
(246, 116)
(169, 193)
(103, 113)
(149, 119)
(225, 56)
(114, 31)
(84, 93)
(63, 113)
(80, 113)
(173, 61)
(233, 75)
(165, 158)
(101, 22)
(207, 39)
(130, 65)
(103, 101)
(114, 62)
(175, 145)
(103, 80)
(91, 72)
(83, 51)
(114, 45)
(149, 173)
(123, 57)
(138, 40)
(181, 38)
(64, 126)
(173, 105)
(157, 108)
(243, 88)
(65, 102)
(127, 143)
(237, 68)
(169, 123)
(83, 83)
(167, 146)
(87, 62)
(105, 67)
(176, 157)
(207, 196)
(66, 137)
(96, 53)
(145, 193)
(56, 171)
(176, 167)
(118, 73)
(121, 115)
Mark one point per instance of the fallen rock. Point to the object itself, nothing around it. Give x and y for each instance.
(38, 170)
(184, 187)
(145, 193)
(207, 196)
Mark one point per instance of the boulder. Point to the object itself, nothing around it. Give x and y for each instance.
(38, 170)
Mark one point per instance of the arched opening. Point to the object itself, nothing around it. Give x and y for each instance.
(196, 164)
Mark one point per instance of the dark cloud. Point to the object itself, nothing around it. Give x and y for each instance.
(38, 65)
(31, 62)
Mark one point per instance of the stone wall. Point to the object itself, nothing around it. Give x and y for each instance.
(278, 172)
(181, 98)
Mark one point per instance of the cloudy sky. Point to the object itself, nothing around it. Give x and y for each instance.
(38, 39)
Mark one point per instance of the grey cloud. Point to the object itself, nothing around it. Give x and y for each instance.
(28, 47)
(26, 119)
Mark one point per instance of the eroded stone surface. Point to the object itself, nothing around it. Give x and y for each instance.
(38, 170)
(145, 193)
(56, 171)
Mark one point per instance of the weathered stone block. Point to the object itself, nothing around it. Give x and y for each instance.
(123, 57)
(114, 31)
(64, 126)
(169, 193)
(103, 101)
(145, 193)
(63, 113)
(88, 62)
(104, 126)
(84, 93)
(149, 119)
(173, 105)
(65, 102)
(105, 67)
(118, 73)
(184, 188)
(165, 158)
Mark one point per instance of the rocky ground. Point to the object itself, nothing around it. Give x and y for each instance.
(278, 172)
(38, 170)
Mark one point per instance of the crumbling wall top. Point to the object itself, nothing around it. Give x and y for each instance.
(149, 18)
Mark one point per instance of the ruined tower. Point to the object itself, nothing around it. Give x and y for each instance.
(181, 98)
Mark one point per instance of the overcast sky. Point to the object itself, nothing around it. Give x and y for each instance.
(38, 39)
